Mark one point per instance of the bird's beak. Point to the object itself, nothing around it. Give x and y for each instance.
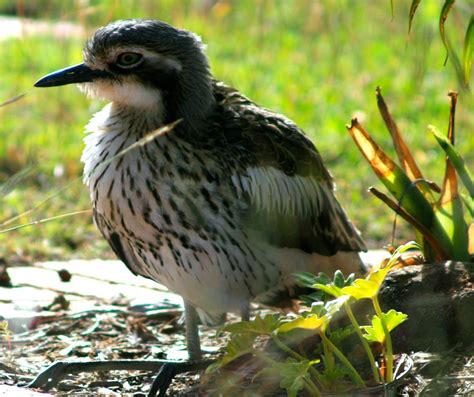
(80, 73)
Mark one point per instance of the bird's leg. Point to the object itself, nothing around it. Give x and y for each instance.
(52, 375)
(245, 313)
(169, 371)
(193, 342)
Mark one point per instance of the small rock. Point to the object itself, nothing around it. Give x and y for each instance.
(64, 275)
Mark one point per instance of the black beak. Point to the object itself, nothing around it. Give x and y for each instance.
(74, 74)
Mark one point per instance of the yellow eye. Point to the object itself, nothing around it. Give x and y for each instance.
(128, 59)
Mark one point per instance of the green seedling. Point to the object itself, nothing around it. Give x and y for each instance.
(328, 367)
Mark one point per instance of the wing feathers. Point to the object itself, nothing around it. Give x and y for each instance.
(294, 209)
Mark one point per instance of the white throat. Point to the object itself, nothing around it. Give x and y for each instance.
(130, 94)
(112, 130)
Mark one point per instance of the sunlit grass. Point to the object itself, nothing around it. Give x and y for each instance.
(316, 62)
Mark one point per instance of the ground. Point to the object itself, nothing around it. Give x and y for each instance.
(98, 310)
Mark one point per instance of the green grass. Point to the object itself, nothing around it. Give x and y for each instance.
(316, 62)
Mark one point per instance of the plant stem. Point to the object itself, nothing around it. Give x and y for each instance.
(313, 371)
(329, 355)
(388, 340)
(368, 350)
(287, 349)
(311, 387)
(355, 375)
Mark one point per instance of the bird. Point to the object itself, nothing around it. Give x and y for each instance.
(224, 208)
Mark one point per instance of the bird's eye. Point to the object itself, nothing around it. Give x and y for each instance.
(128, 59)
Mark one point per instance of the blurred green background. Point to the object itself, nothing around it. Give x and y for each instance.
(318, 62)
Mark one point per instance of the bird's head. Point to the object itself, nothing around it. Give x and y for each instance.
(145, 65)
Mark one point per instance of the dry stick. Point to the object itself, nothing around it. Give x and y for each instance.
(44, 220)
(440, 252)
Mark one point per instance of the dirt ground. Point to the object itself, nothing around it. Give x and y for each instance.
(81, 311)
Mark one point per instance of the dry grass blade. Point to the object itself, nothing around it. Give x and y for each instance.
(380, 162)
(413, 8)
(467, 51)
(12, 100)
(144, 141)
(407, 161)
(7, 186)
(40, 204)
(44, 220)
(442, 19)
(392, 176)
(449, 188)
(428, 236)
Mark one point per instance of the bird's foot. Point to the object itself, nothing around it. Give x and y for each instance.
(169, 371)
(56, 372)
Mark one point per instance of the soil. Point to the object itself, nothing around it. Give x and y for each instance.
(438, 337)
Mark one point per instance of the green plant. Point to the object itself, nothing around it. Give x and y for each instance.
(463, 70)
(437, 213)
(329, 366)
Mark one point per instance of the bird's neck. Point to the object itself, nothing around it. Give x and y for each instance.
(192, 103)
(135, 121)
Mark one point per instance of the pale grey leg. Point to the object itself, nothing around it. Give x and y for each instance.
(192, 332)
(245, 313)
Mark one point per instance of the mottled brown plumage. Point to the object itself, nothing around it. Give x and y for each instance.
(224, 208)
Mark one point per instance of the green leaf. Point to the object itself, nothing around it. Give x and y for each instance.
(316, 308)
(456, 159)
(292, 374)
(239, 345)
(375, 332)
(306, 279)
(310, 299)
(369, 287)
(329, 289)
(392, 176)
(467, 51)
(449, 209)
(339, 280)
(363, 288)
(333, 306)
(413, 8)
(259, 326)
(393, 319)
(442, 19)
(312, 322)
(339, 334)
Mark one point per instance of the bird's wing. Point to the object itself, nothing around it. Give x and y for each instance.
(288, 191)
